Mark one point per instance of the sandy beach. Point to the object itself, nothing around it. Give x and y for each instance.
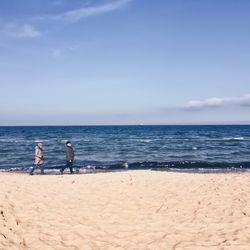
(125, 210)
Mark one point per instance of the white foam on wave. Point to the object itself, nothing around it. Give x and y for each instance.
(145, 140)
(11, 140)
(229, 139)
(234, 138)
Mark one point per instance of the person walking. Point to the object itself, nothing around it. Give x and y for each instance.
(69, 158)
(39, 160)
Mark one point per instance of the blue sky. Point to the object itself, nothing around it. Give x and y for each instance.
(124, 62)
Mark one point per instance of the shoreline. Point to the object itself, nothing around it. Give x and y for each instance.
(82, 171)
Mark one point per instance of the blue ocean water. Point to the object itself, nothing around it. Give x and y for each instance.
(112, 147)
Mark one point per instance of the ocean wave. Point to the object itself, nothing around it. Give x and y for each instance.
(144, 140)
(234, 138)
(178, 166)
(228, 139)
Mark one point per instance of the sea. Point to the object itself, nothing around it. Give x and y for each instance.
(110, 148)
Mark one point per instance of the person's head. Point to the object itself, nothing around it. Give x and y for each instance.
(68, 143)
(40, 145)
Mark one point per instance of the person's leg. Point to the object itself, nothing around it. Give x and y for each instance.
(32, 169)
(63, 168)
(71, 167)
(42, 168)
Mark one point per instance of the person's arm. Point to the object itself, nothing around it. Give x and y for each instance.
(37, 152)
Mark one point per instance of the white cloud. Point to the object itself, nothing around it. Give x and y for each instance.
(76, 15)
(243, 101)
(216, 102)
(21, 31)
(27, 30)
(207, 103)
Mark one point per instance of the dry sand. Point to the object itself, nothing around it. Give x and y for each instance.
(125, 210)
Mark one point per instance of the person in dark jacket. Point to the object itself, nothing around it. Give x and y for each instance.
(69, 158)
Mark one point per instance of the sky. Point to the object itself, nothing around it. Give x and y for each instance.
(120, 62)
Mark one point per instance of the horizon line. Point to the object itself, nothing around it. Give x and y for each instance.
(123, 125)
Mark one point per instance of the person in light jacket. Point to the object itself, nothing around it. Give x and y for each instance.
(39, 160)
(69, 158)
